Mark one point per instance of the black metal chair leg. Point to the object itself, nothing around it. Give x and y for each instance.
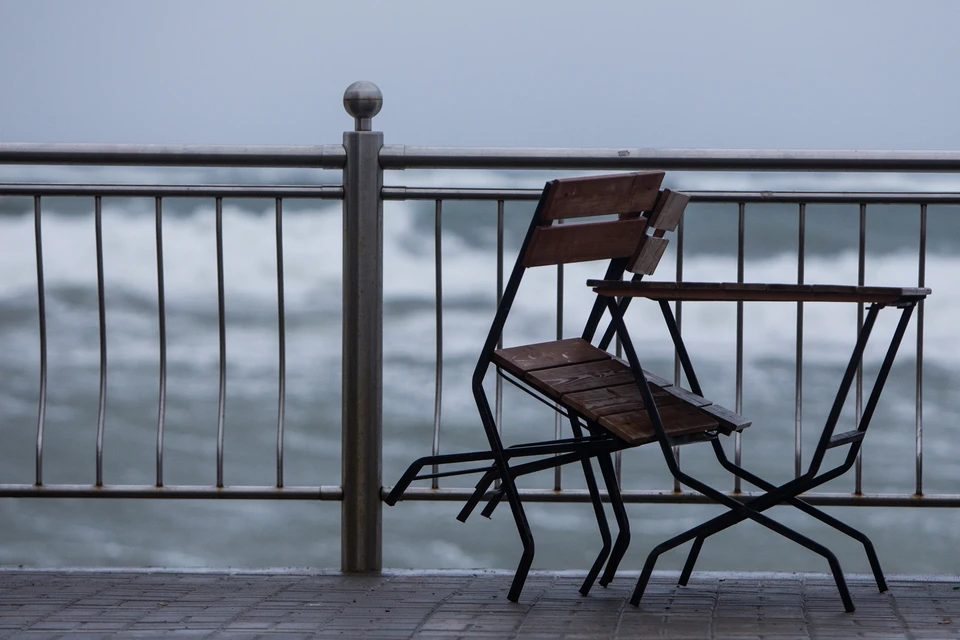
(502, 468)
(814, 546)
(481, 488)
(648, 566)
(492, 503)
(414, 470)
(810, 510)
(602, 524)
(598, 512)
(526, 538)
(844, 528)
(691, 560)
(857, 535)
(620, 513)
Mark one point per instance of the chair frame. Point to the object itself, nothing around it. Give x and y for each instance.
(591, 440)
(789, 492)
(581, 448)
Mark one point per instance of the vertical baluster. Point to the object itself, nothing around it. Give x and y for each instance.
(282, 344)
(678, 314)
(922, 278)
(557, 422)
(499, 382)
(738, 446)
(101, 303)
(798, 407)
(221, 406)
(162, 315)
(498, 401)
(42, 313)
(861, 275)
(438, 284)
(618, 456)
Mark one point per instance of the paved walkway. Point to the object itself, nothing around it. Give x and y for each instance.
(246, 605)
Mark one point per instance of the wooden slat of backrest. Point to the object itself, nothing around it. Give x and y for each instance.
(647, 256)
(601, 195)
(583, 242)
(668, 210)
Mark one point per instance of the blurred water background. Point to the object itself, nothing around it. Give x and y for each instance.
(55, 532)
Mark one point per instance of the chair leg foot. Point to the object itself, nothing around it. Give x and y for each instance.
(526, 560)
(644, 578)
(691, 560)
(482, 485)
(492, 504)
(841, 582)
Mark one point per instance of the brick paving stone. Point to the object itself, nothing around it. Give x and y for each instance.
(470, 605)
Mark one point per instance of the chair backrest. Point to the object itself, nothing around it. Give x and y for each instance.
(628, 196)
(664, 217)
(638, 204)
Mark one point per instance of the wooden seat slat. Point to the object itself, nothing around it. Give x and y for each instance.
(687, 397)
(558, 381)
(596, 403)
(636, 428)
(728, 420)
(597, 385)
(544, 355)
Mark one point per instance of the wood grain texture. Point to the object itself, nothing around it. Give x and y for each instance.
(558, 381)
(600, 402)
(758, 292)
(687, 397)
(668, 210)
(728, 420)
(647, 255)
(601, 195)
(543, 355)
(583, 242)
(636, 427)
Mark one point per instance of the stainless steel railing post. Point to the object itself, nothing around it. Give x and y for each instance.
(362, 410)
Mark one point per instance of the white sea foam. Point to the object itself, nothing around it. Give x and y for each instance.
(312, 265)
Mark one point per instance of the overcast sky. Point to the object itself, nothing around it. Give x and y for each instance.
(829, 74)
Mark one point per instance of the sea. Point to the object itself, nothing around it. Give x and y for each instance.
(274, 533)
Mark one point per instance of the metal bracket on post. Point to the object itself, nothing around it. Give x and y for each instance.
(362, 408)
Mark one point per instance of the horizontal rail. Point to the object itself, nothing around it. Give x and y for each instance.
(324, 192)
(197, 492)
(786, 197)
(335, 192)
(333, 156)
(686, 497)
(426, 193)
(326, 156)
(414, 157)
(335, 493)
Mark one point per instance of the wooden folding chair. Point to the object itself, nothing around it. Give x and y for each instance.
(583, 382)
(617, 295)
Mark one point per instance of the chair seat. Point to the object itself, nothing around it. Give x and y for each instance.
(603, 390)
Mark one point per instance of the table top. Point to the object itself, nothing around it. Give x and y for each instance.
(758, 292)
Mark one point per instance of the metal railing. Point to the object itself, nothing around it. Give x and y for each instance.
(160, 489)
(363, 158)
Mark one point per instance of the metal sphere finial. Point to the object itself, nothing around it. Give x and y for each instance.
(362, 100)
